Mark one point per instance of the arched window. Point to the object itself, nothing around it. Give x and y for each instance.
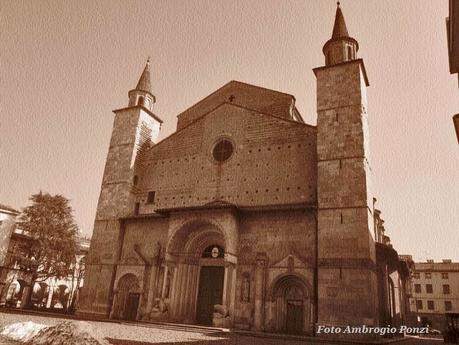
(141, 101)
(213, 251)
(349, 53)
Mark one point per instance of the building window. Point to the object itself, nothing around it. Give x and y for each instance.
(417, 288)
(428, 275)
(151, 197)
(444, 275)
(418, 304)
(430, 305)
(429, 288)
(448, 306)
(135, 180)
(223, 150)
(136, 208)
(446, 290)
(416, 275)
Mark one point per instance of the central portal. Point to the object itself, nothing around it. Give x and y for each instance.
(210, 293)
(211, 279)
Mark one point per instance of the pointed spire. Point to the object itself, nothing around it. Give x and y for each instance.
(340, 47)
(144, 83)
(142, 94)
(339, 29)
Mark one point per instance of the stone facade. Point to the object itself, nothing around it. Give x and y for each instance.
(7, 226)
(246, 216)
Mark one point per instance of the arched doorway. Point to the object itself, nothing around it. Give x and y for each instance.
(211, 279)
(127, 299)
(201, 267)
(40, 294)
(13, 294)
(291, 305)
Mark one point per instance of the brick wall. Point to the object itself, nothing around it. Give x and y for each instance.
(274, 162)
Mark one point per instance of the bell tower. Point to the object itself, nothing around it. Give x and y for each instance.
(135, 127)
(347, 285)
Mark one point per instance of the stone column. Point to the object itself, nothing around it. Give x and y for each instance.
(387, 304)
(175, 293)
(194, 291)
(50, 295)
(163, 288)
(259, 292)
(25, 292)
(225, 297)
(151, 289)
(114, 311)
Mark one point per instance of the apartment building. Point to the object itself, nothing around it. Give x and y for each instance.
(435, 291)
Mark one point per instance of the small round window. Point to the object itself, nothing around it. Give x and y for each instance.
(223, 150)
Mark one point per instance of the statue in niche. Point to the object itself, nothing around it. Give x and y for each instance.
(156, 253)
(168, 285)
(245, 288)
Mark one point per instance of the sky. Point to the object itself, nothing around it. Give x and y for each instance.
(65, 65)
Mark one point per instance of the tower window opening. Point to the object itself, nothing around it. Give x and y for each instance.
(141, 101)
(151, 197)
(349, 53)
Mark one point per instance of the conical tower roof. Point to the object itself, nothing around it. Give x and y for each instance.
(144, 83)
(339, 29)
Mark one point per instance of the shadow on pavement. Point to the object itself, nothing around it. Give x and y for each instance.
(188, 342)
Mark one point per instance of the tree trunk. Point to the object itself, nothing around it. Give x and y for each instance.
(28, 303)
(75, 292)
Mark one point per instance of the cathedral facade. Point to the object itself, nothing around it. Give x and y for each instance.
(246, 216)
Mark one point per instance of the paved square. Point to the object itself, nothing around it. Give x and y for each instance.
(130, 334)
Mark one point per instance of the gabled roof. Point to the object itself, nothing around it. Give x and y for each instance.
(180, 130)
(8, 209)
(275, 103)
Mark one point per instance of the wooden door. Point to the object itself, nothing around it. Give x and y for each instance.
(132, 304)
(294, 318)
(210, 293)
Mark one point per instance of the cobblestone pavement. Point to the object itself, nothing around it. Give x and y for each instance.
(129, 334)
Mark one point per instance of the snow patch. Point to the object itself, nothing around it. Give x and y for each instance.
(68, 333)
(22, 331)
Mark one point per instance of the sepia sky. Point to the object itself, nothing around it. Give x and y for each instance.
(65, 65)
